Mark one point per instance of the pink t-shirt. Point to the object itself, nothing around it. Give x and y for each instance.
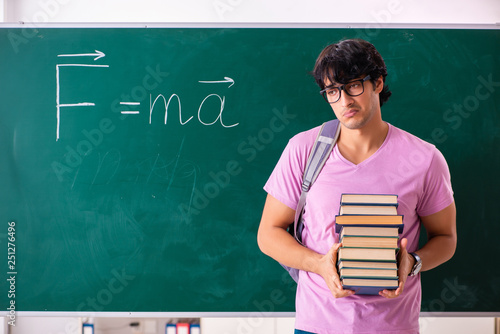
(404, 165)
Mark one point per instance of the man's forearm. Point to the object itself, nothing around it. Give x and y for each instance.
(437, 250)
(281, 246)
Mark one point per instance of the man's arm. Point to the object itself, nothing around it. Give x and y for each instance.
(442, 237)
(276, 242)
(440, 247)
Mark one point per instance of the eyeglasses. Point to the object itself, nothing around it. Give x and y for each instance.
(353, 88)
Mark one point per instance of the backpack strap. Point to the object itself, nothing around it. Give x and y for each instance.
(325, 142)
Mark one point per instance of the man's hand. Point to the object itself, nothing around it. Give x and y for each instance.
(328, 271)
(405, 264)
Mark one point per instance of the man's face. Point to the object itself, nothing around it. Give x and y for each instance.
(354, 112)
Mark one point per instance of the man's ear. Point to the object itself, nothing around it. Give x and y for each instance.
(379, 85)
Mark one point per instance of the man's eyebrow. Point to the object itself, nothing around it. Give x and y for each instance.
(334, 85)
(337, 84)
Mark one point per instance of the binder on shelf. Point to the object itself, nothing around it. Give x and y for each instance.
(170, 329)
(195, 329)
(88, 328)
(182, 328)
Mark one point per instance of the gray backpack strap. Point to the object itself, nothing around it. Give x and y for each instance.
(326, 140)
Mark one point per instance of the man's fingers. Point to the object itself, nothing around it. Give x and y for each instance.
(337, 289)
(392, 293)
(336, 281)
(404, 243)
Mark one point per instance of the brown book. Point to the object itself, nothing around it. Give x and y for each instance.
(369, 199)
(367, 254)
(368, 265)
(353, 231)
(368, 273)
(369, 242)
(386, 210)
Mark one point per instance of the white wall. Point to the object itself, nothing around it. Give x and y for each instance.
(46, 325)
(280, 11)
(384, 11)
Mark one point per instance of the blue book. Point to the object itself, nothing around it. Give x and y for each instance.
(383, 210)
(369, 199)
(369, 286)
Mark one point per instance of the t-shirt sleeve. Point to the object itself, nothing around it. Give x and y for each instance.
(437, 190)
(285, 181)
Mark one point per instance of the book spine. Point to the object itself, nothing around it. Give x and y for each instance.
(368, 204)
(347, 202)
(387, 278)
(366, 290)
(338, 227)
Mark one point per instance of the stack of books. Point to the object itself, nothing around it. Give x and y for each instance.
(369, 228)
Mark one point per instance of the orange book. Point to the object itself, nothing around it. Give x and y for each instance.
(369, 221)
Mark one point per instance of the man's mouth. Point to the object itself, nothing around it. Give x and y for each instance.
(350, 113)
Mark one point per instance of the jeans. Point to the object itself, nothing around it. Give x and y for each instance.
(298, 331)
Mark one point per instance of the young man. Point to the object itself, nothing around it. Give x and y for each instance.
(372, 157)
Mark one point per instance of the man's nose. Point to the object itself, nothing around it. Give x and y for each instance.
(345, 100)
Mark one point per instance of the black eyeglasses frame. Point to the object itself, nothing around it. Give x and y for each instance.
(342, 88)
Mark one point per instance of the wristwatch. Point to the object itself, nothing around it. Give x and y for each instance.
(417, 266)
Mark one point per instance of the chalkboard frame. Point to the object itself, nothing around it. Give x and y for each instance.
(239, 25)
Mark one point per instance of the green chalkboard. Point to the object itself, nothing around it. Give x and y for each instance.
(133, 160)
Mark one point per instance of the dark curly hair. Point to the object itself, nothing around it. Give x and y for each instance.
(349, 59)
